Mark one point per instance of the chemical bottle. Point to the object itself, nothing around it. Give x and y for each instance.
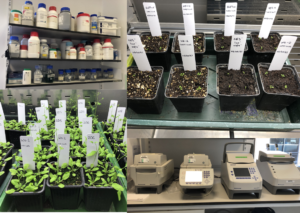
(89, 50)
(24, 51)
(81, 76)
(64, 19)
(68, 76)
(108, 50)
(94, 23)
(93, 74)
(63, 48)
(69, 44)
(42, 16)
(82, 54)
(52, 18)
(14, 47)
(73, 53)
(97, 50)
(24, 40)
(73, 24)
(34, 45)
(50, 74)
(27, 16)
(53, 44)
(44, 49)
(61, 76)
(37, 75)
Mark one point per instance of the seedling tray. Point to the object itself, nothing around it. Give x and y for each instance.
(7, 166)
(14, 137)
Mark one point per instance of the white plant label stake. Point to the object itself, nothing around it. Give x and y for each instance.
(61, 112)
(2, 132)
(62, 104)
(186, 45)
(60, 126)
(230, 18)
(27, 147)
(112, 111)
(137, 49)
(188, 18)
(45, 104)
(152, 17)
(125, 134)
(268, 20)
(81, 103)
(34, 133)
(2, 116)
(63, 148)
(119, 118)
(86, 128)
(81, 116)
(21, 113)
(92, 145)
(236, 51)
(40, 112)
(284, 48)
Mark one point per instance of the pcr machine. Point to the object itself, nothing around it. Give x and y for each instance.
(196, 172)
(278, 171)
(151, 170)
(239, 173)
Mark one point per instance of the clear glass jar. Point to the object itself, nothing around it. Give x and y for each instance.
(50, 74)
(94, 74)
(38, 75)
(105, 74)
(68, 76)
(99, 73)
(81, 76)
(61, 76)
(74, 74)
(14, 47)
(88, 73)
(110, 73)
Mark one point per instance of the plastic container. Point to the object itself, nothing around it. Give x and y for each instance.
(149, 105)
(52, 54)
(94, 23)
(107, 25)
(52, 18)
(198, 55)
(73, 24)
(82, 54)
(97, 50)
(63, 48)
(24, 51)
(89, 50)
(61, 76)
(67, 197)
(58, 53)
(69, 44)
(99, 73)
(110, 73)
(83, 23)
(26, 76)
(236, 102)
(15, 17)
(74, 73)
(161, 58)
(34, 45)
(42, 16)
(186, 104)
(272, 101)
(78, 48)
(38, 75)
(93, 74)
(223, 55)
(14, 137)
(7, 166)
(88, 74)
(73, 53)
(14, 47)
(50, 74)
(81, 75)
(105, 74)
(108, 50)
(27, 16)
(34, 19)
(44, 48)
(53, 44)
(68, 76)
(24, 40)
(64, 19)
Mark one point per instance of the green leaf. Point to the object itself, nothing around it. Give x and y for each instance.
(13, 171)
(99, 174)
(10, 191)
(61, 185)
(39, 165)
(26, 166)
(30, 178)
(119, 194)
(120, 175)
(66, 176)
(53, 178)
(117, 187)
(30, 188)
(1, 173)
(91, 153)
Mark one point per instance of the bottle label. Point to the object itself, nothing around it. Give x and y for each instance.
(81, 77)
(89, 52)
(53, 54)
(27, 14)
(42, 18)
(44, 50)
(94, 25)
(14, 48)
(72, 55)
(82, 56)
(85, 23)
(60, 20)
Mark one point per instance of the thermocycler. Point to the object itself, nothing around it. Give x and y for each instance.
(196, 172)
(239, 173)
(278, 171)
(151, 170)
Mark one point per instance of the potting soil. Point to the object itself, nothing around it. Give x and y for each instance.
(72, 180)
(222, 42)
(198, 43)
(265, 45)
(155, 43)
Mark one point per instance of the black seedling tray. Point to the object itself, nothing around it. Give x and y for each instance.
(14, 137)
(7, 166)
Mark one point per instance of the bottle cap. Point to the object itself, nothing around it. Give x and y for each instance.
(38, 67)
(107, 40)
(15, 38)
(34, 34)
(83, 14)
(49, 67)
(28, 2)
(26, 36)
(24, 47)
(82, 49)
(44, 40)
(94, 70)
(61, 72)
(109, 70)
(52, 8)
(81, 70)
(93, 15)
(16, 11)
(73, 17)
(68, 71)
(97, 40)
(65, 8)
(42, 5)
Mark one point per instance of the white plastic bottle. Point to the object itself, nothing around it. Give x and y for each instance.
(94, 23)
(63, 48)
(69, 44)
(89, 50)
(26, 76)
(82, 54)
(79, 46)
(52, 18)
(44, 48)
(108, 50)
(53, 44)
(24, 51)
(73, 53)
(73, 23)
(34, 45)
(97, 50)
(27, 16)
(42, 16)
(83, 23)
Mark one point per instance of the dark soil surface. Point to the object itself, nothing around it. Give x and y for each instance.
(265, 45)
(236, 81)
(279, 81)
(155, 43)
(188, 83)
(71, 181)
(222, 42)
(142, 84)
(198, 43)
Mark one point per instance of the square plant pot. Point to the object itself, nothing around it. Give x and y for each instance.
(67, 197)
(182, 103)
(223, 55)
(159, 58)
(237, 102)
(198, 55)
(28, 201)
(273, 101)
(261, 56)
(14, 137)
(149, 105)
(7, 165)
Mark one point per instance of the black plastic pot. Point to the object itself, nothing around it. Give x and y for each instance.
(28, 201)
(236, 102)
(14, 137)
(223, 55)
(264, 56)
(67, 197)
(7, 135)
(7, 166)
(272, 101)
(147, 105)
(186, 104)
(161, 58)
(198, 56)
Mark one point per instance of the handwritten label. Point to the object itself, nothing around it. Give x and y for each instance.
(268, 20)
(230, 17)
(61, 112)
(186, 44)
(63, 148)
(60, 125)
(62, 104)
(92, 144)
(34, 133)
(236, 51)
(125, 134)
(136, 47)
(284, 48)
(86, 128)
(2, 116)
(81, 115)
(188, 18)
(27, 148)
(40, 112)
(2, 132)
(119, 118)
(81, 103)
(112, 111)
(45, 104)
(21, 113)
(152, 17)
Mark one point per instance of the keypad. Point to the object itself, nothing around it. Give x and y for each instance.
(206, 174)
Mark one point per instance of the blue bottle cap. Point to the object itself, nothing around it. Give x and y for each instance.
(82, 71)
(28, 2)
(73, 17)
(61, 72)
(42, 5)
(94, 15)
(98, 69)
(88, 70)
(94, 70)
(49, 67)
(38, 67)
(110, 70)
(69, 43)
(35, 13)
(65, 8)
(68, 71)
(16, 38)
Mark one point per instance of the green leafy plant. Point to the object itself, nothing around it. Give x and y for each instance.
(285, 86)
(229, 86)
(14, 125)
(199, 88)
(243, 72)
(245, 87)
(199, 47)
(266, 73)
(271, 87)
(222, 47)
(180, 87)
(282, 75)
(181, 74)
(261, 47)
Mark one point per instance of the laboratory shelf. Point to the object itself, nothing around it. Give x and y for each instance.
(70, 60)
(18, 29)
